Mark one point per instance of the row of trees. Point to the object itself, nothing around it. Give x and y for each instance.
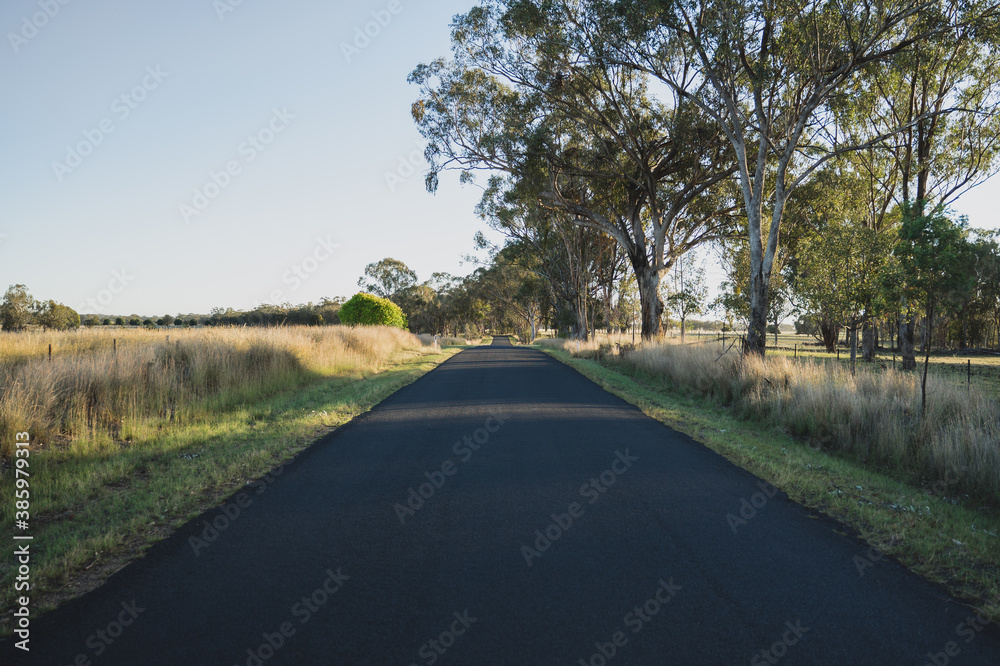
(19, 311)
(525, 285)
(657, 126)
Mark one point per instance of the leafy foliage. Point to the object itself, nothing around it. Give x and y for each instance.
(369, 310)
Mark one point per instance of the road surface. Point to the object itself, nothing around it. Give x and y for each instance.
(505, 510)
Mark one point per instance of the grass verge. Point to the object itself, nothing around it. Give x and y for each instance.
(95, 511)
(946, 539)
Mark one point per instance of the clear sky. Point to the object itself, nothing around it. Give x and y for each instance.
(165, 157)
(310, 144)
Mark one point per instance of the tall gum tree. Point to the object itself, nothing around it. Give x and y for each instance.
(526, 94)
(575, 261)
(767, 72)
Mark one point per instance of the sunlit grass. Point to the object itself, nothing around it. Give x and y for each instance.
(104, 388)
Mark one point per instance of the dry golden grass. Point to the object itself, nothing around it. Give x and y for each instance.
(93, 394)
(873, 416)
(428, 340)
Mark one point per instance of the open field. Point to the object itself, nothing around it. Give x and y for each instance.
(128, 445)
(928, 522)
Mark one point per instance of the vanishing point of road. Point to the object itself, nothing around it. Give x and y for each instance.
(505, 510)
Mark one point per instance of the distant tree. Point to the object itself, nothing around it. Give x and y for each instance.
(420, 303)
(119, 321)
(689, 292)
(107, 321)
(369, 310)
(387, 278)
(17, 308)
(807, 324)
(56, 316)
(166, 320)
(328, 309)
(91, 320)
(134, 320)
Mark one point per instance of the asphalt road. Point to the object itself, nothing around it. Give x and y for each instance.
(505, 510)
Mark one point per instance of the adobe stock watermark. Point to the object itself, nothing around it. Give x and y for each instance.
(779, 648)
(868, 560)
(304, 268)
(301, 611)
(119, 281)
(30, 26)
(464, 449)
(247, 151)
(122, 107)
(230, 512)
(364, 35)
(223, 7)
(968, 629)
(546, 536)
(105, 636)
(406, 166)
(749, 507)
(635, 621)
(435, 648)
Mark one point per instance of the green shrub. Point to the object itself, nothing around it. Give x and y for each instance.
(369, 310)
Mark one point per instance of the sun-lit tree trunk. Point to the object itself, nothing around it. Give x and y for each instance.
(648, 279)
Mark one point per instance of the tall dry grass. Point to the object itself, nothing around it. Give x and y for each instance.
(873, 416)
(429, 340)
(90, 389)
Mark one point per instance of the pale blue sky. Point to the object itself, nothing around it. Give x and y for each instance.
(205, 89)
(215, 81)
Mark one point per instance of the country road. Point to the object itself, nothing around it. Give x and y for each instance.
(505, 510)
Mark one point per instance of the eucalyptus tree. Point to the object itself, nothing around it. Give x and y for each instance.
(844, 239)
(514, 293)
(387, 278)
(688, 292)
(553, 247)
(771, 75)
(528, 94)
(17, 310)
(580, 264)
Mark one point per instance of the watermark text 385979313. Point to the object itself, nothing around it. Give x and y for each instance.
(22, 541)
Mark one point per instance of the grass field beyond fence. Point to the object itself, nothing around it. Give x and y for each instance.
(108, 388)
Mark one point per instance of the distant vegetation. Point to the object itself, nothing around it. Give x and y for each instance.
(19, 311)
